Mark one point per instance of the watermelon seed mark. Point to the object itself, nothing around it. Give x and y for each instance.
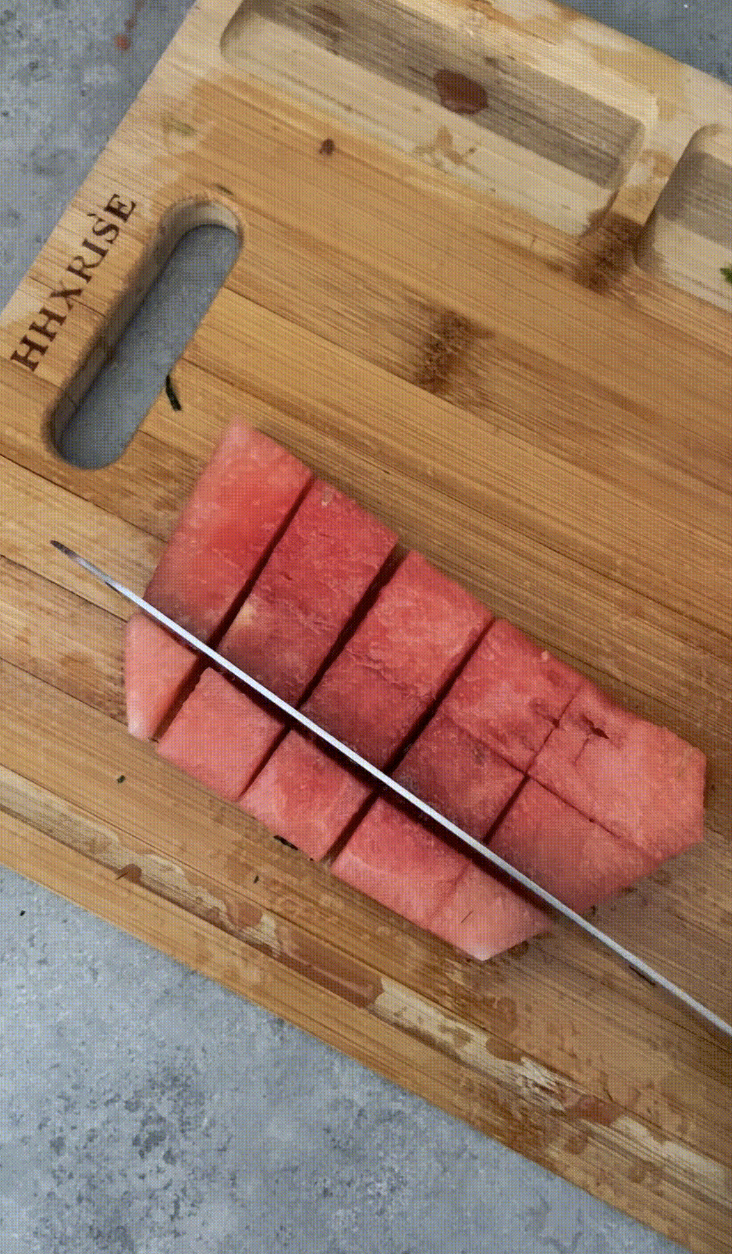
(281, 840)
(121, 779)
(327, 147)
(171, 394)
(256, 879)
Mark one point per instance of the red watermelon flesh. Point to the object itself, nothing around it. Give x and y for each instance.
(397, 660)
(483, 917)
(398, 862)
(458, 776)
(641, 782)
(304, 796)
(315, 578)
(399, 657)
(511, 694)
(242, 498)
(237, 506)
(564, 852)
(219, 736)
(156, 668)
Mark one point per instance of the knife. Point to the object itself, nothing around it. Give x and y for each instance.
(637, 964)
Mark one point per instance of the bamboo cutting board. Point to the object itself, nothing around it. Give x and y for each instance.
(480, 289)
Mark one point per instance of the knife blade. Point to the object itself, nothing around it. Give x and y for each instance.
(548, 899)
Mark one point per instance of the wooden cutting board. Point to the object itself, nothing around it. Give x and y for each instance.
(456, 301)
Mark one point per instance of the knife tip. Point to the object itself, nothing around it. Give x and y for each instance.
(63, 548)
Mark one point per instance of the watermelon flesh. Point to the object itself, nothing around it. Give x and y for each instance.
(575, 859)
(313, 582)
(511, 694)
(219, 736)
(393, 857)
(238, 505)
(241, 500)
(156, 668)
(399, 863)
(397, 661)
(608, 797)
(315, 578)
(639, 781)
(457, 775)
(483, 916)
(305, 796)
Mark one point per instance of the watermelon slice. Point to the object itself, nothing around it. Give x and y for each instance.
(511, 694)
(239, 503)
(483, 916)
(219, 736)
(398, 862)
(304, 796)
(457, 775)
(318, 573)
(566, 853)
(398, 659)
(156, 668)
(237, 506)
(639, 781)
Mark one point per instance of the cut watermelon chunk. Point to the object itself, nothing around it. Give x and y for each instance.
(219, 736)
(639, 781)
(399, 863)
(483, 917)
(398, 659)
(304, 796)
(237, 506)
(511, 694)
(156, 668)
(318, 573)
(242, 498)
(458, 776)
(415, 635)
(564, 852)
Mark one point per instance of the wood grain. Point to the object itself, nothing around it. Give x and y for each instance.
(540, 404)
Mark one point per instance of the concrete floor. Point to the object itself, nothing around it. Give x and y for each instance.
(144, 1109)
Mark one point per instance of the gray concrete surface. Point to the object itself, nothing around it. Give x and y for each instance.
(144, 1109)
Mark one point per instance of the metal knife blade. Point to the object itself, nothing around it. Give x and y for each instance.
(548, 899)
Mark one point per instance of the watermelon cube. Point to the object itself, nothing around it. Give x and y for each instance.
(157, 665)
(398, 862)
(241, 500)
(482, 916)
(400, 656)
(305, 796)
(459, 776)
(639, 781)
(315, 578)
(511, 694)
(239, 503)
(219, 736)
(398, 659)
(575, 859)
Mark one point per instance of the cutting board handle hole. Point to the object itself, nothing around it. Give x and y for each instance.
(190, 261)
